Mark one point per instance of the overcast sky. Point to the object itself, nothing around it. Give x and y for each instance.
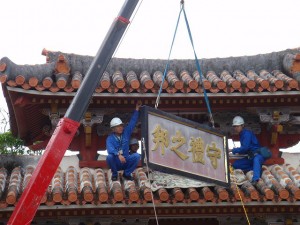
(220, 28)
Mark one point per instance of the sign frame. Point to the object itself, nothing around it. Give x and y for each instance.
(148, 112)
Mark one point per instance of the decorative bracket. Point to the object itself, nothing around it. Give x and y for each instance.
(89, 120)
(274, 117)
(54, 116)
(92, 118)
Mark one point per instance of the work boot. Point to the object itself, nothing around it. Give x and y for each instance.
(114, 178)
(254, 182)
(127, 177)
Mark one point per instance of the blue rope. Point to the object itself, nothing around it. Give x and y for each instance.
(199, 69)
(168, 62)
(196, 61)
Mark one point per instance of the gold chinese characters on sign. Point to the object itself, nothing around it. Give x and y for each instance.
(196, 149)
(176, 145)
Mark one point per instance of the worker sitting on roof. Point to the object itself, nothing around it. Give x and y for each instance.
(249, 145)
(117, 145)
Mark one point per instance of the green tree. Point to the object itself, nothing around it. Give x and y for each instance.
(10, 145)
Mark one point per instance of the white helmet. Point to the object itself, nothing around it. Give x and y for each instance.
(133, 141)
(115, 122)
(237, 121)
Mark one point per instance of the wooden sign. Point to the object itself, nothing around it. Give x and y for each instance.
(179, 146)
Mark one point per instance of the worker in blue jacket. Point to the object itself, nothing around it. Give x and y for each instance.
(249, 146)
(117, 145)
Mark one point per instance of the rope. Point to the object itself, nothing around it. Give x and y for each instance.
(127, 28)
(199, 69)
(196, 61)
(146, 161)
(168, 62)
(238, 190)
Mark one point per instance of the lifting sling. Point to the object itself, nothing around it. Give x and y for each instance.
(196, 62)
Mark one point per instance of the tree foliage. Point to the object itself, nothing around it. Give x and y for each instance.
(10, 145)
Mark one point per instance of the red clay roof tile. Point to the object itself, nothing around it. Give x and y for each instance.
(261, 72)
(91, 186)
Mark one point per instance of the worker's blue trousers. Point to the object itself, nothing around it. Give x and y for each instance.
(250, 164)
(115, 164)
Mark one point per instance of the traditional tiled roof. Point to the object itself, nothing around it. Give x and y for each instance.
(38, 95)
(77, 187)
(277, 71)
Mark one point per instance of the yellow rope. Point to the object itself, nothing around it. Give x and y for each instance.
(152, 197)
(238, 190)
